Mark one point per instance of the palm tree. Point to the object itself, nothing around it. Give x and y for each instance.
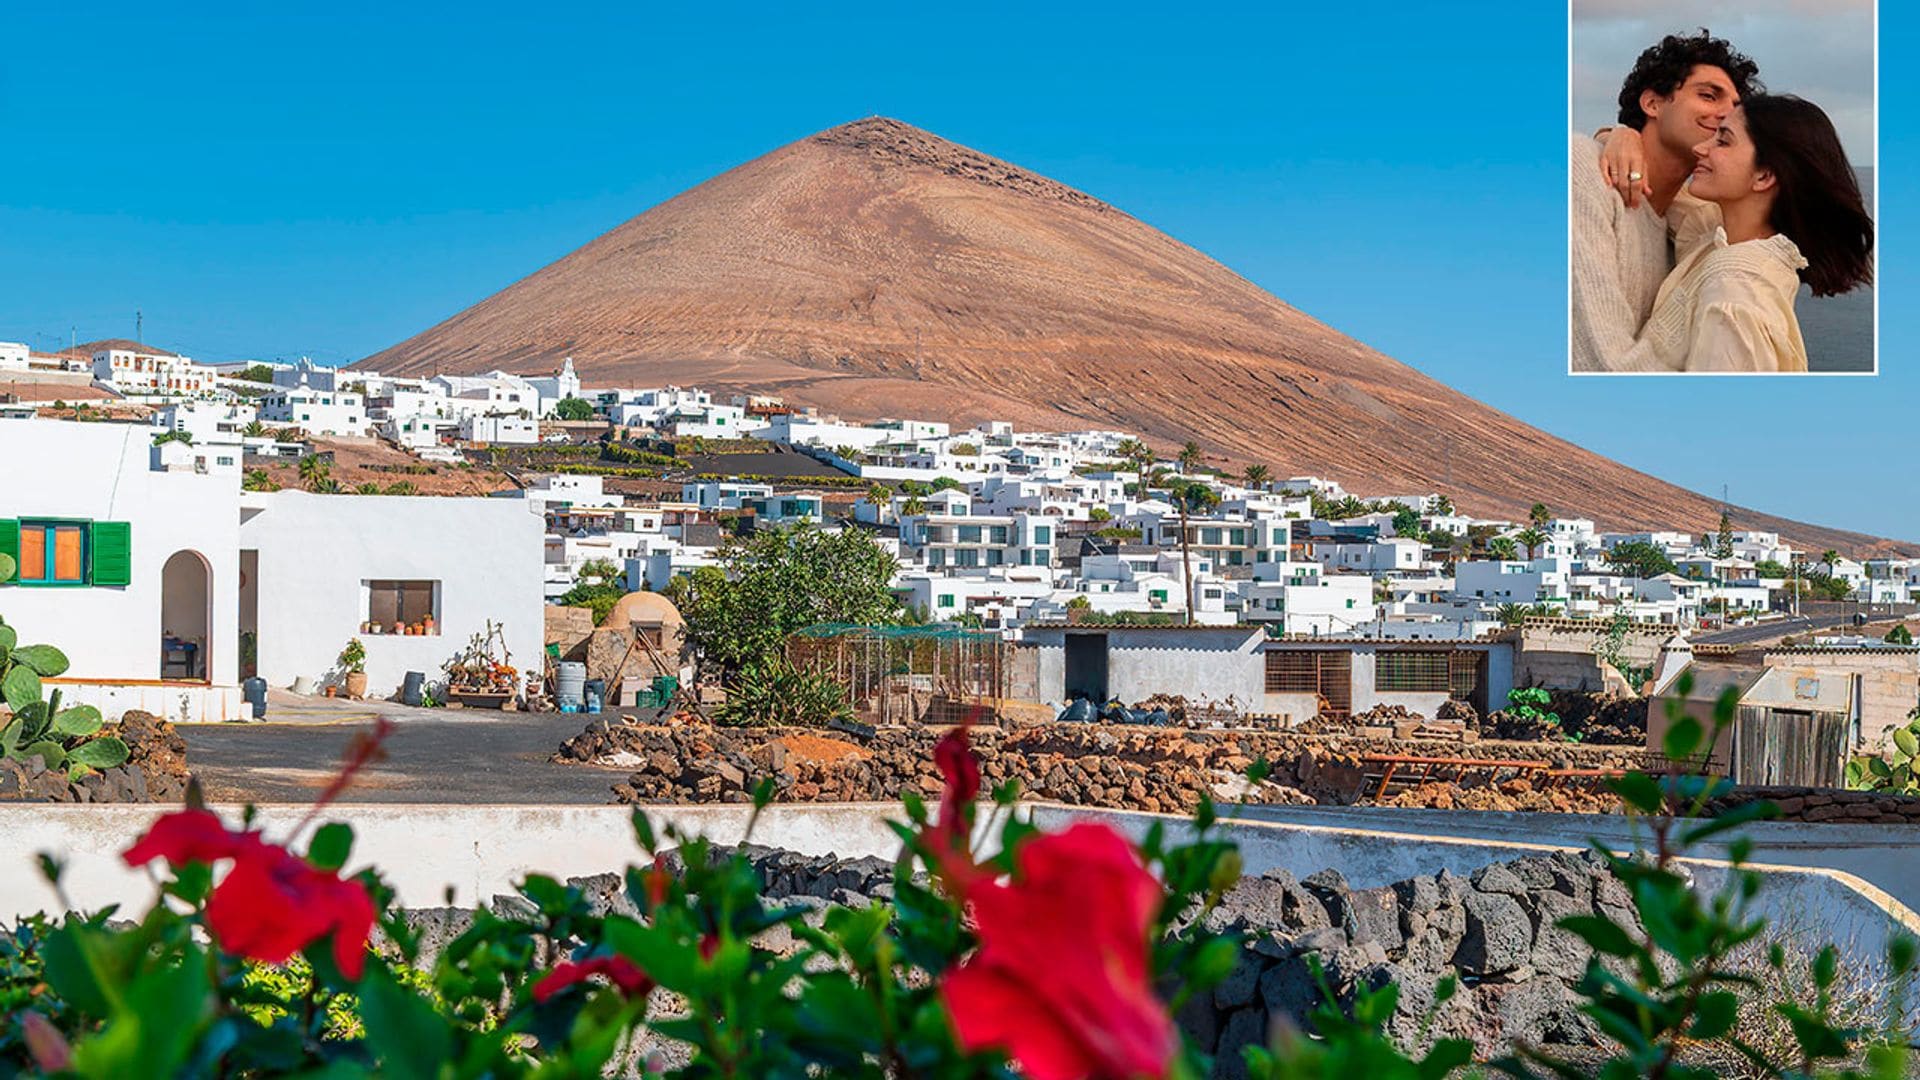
(1502, 548)
(314, 470)
(1190, 456)
(1190, 497)
(1139, 458)
(1257, 476)
(913, 505)
(882, 500)
(1531, 539)
(254, 429)
(1348, 507)
(1512, 614)
(1539, 515)
(1830, 559)
(1441, 505)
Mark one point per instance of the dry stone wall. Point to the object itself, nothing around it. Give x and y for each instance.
(1495, 930)
(1154, 769)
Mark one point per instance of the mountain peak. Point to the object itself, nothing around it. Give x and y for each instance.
(894, 142)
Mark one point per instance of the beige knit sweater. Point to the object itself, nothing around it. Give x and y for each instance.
(1618, 259)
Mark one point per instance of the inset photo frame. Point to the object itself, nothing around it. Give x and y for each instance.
(1721, 187)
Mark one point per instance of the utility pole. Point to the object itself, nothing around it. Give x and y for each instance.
(139, 327)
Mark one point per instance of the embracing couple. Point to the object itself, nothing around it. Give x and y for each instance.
(1697, 218)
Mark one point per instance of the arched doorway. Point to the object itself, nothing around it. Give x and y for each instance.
(186, 616)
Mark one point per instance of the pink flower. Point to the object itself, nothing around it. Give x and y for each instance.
(1061, 979)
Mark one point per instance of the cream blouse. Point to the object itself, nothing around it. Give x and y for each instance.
(1725, 307)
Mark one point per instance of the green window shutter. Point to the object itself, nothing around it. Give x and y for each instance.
(10, 546)
(112, 553)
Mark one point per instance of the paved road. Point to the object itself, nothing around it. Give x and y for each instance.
(433, 755)
(1768, 631)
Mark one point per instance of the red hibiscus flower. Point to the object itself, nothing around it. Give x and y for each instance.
(618, 970)
(272, 903)
(190, 836)
(949, 836)
(1060, 981)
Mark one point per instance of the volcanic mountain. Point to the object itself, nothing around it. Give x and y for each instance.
(877, 270)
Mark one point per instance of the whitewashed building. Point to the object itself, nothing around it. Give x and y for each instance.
(315, 411)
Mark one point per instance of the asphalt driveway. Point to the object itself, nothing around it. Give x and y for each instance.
(433, 756)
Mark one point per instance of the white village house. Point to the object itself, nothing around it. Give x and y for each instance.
(154, 581)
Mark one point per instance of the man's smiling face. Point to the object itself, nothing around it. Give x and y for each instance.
(1694, 112)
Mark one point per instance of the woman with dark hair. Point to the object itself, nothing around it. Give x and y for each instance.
(1772, 203)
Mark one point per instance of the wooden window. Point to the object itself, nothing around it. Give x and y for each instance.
(1411, 672)
(402, 603)
(1326, 673)
(52, 552)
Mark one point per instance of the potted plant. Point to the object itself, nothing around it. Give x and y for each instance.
(353, 662)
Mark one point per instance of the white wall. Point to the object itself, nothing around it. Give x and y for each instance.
(101, 472)
(317, 552)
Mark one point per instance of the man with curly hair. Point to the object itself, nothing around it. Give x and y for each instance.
(1677, 95)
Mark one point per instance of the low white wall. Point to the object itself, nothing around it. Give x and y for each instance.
(1836, 906)
(182, 703)
(477, 852)
(436, 854)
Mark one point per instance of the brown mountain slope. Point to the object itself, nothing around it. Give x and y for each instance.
(877, 270)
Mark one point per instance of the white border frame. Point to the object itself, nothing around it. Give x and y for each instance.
(1877, 238)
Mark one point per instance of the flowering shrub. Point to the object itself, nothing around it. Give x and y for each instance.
(1052, 956)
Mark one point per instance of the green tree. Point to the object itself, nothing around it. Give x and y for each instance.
(1406, 522)
(259, 373)
(1139, 458)
(259, 480)
(573, 408)
(254, 430)
(366, 487)
(1640, 559)
(1257, 476)
(1829, 559)
(1531, 539)
(173, 436)
(1539, 515)
(947, 483)
(1441, 504)
(315, 472)
(1502, 548)
(1899, 635)
(1723, 539)
(1190, 497)
(740, 613)
(1190, 456)
(1099, 514)
(1349, 507)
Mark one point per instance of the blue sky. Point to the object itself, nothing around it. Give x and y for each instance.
(330, 182)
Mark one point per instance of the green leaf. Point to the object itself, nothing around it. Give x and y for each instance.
(332, 845)
(1902, 738)
(1730, 819)
(1603, 934)
(21, 687)
(10, 737)
(1715, 1014)
(154, 1030)
(45, 659)
(1826, 967)
(643, 830)
(1682, 739)
(48, 752)
(408, 1037)
(105, 752)
(8, 639)
(78, 721)
(1641, 792)
(66, 955)
(1879, 767)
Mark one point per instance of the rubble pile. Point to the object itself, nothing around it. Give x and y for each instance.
(1130, 767)
(156, 769)
(1517, 793)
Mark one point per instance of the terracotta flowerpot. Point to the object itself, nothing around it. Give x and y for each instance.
(331, 691)
(356, 684)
